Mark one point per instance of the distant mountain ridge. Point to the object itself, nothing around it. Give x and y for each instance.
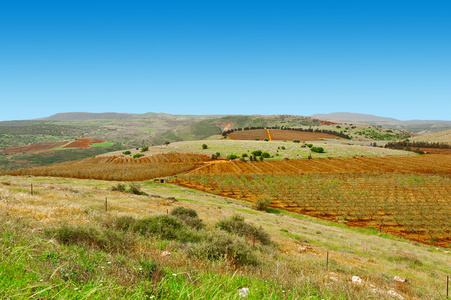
(82, 116)
(347, 116)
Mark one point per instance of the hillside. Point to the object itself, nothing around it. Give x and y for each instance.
(366, 119)
(437, 137)
(62, 242)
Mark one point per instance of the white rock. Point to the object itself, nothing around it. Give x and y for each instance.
(399, 279)
(165, 253)
(302, 249)
(395, 294)
(333, 278)
(357, 280)
(244, 292)
(447, 252)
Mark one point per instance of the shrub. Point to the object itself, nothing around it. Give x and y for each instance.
(137, 155)
(317, 149)
(244, 155)
(188, 216)
(266, 155)
(256, 152)
(136, 189)
(232, 156)
(262, 204)
(118, 187)
(309, 145)
(144, 149)
(127, 152)
(167, 143)
(204, 146)
(266, 140)
(296, 141)
(283, 147)
(218, 154)
(217, 245)
(108, 239)
(236, 225)
(261, 158)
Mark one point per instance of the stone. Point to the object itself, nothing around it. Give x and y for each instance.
(399, 279)
(244, 292)
(165, 253)
(395, 294)
(357, 280)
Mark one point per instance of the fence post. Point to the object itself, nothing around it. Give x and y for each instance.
(327, 261)
(447, 286)
(106, 203)
(31, 188)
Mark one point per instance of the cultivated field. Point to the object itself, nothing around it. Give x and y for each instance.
(120, 168)
(82, 143)
(61, 242)
(34, 147)
(279, 135)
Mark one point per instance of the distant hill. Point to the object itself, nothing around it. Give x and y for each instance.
(346, 116)
(426, 126)
(436, 137)
(82, 116)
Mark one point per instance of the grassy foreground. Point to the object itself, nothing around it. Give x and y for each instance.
(61, 243)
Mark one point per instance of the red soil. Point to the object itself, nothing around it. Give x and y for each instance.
(280, 135)
(82, 143)
(33, 148)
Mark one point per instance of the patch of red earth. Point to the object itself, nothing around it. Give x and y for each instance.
(40, 147)
(435, 151)
(82, 143)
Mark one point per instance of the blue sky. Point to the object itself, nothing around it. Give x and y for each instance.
(389, 58)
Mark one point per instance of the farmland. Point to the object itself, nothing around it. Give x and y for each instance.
(120, 168)
(279, 135)
(34, 147)
(400, 196)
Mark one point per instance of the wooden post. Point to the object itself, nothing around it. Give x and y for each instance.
(327, 261)
(31, 188)
(167, 212)
(447, 286)
(106, 203)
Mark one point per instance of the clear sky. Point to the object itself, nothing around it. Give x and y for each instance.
(385, 57)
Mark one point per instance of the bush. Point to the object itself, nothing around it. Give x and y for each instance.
(166, 227)
(266, 155)
(283, 147)
(144, 149)
(217, 245)
(204, 146)
(256, 152)
(236, 225)
(232, 156)
(137, 155)
(188, 216)
(317, 149)
(309, 145)
(118, 187)
(296, 141)
(218, 154)
(136, 189)
(266, 140)
(262, 204)
(244, 155)
(127, 152)
(107, 240)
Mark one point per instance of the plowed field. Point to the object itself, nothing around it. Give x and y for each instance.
(408, 196)
(425, 164)
(279, 135)
(33, 147)
(120, 168)
(82, 143)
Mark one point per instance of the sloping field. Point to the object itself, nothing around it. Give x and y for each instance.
(436, 137)
(82, 143)
(33, 147)
(279, 135)
(426, 164)
(256, 134)
(291, 135)
(120, 168)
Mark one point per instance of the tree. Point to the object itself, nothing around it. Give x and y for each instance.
(167, 143)
(204, 146)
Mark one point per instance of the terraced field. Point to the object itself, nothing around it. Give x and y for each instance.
(279, 135)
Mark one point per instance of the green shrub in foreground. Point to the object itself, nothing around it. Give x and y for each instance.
(317, 149)
(236, 225)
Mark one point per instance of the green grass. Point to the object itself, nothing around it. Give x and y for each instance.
(105, 144)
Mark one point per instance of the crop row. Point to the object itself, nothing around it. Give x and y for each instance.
(427, 164)
(416, 206)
